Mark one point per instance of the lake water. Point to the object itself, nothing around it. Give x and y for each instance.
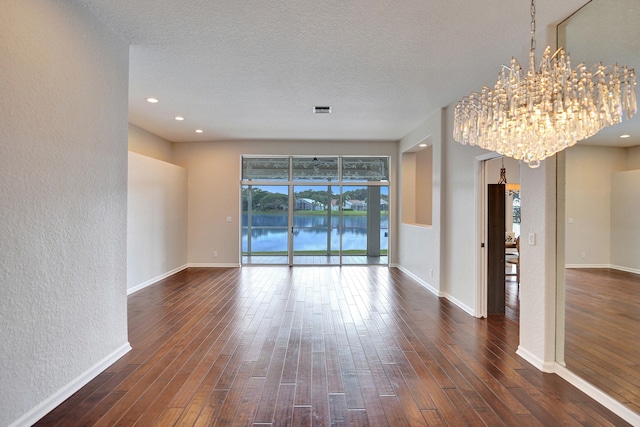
(269, 233)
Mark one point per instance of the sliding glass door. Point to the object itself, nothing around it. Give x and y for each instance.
(315, 210)
(365, 224)
(265, 224)
(316, 238)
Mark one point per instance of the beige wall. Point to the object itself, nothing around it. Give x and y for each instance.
(424, 186)
(156, 220)
(633, 158)
(625, 226)
(588, 203)
(63, 203)
(150, 145)
(214, 189)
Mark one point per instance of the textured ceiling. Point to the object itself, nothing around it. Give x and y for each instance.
(255, 69)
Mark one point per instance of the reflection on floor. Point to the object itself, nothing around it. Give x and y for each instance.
(314, 260)
(332, 346)
(512, 298)
(602, 331)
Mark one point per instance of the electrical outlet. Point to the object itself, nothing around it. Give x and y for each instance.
(215, 254)
(431, 272)
(532, 239)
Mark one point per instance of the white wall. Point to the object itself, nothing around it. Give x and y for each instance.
(588, 203)
(633, 158)
(460, 219)
(150, 145)
(156, 220)
(419, 246)
(63, 181)
(625, 227)
(214, 189)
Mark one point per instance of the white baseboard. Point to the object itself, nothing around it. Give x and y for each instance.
(541, 365)
(213, 264)
(65, 392)
(598, 395)
(627, 269)
(436, 292)
(419, 280)
(459, 304)
(587, 266)
(155, 279)
(614, 267)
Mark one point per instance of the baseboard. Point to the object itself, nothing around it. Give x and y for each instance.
(587, 266)
(627, 269)
(436, 292)
(611, 266)
(213, 264)
(541, 365)
(459, 304)
(155, 279)
(598, 395)
(65, 392)
(419, 280)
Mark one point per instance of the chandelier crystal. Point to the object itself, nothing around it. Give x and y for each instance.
(531, 116)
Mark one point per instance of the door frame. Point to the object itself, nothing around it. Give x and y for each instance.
(340, 184)
(482, 206)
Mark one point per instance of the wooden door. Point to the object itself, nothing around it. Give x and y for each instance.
(495, 249)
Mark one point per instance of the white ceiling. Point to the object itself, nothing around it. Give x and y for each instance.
(254, 69)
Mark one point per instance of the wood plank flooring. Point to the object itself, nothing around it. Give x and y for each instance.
(602, 334)
(318, 346)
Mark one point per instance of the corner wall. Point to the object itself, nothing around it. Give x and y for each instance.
(156, 221)
(150, 145)
(63, 174)
(419, 250)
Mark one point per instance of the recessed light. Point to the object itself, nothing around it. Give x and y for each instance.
(422, 145)
(179, 118)
(199, 131)
(152, 100)
(625, 136)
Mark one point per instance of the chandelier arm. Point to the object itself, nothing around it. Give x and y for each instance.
(533, 26)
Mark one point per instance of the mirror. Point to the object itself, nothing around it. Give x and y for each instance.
(598, 221)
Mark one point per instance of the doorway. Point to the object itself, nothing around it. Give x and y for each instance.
(499, 226)
(315, 210)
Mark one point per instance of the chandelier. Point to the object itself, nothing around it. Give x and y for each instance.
(531, 116)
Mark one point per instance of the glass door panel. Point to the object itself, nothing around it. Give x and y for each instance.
(365, 224)
(265, 224)
(315, 225)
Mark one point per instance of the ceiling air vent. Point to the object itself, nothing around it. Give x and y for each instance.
(321, 109)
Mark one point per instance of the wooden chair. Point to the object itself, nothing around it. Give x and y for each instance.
(513, 258)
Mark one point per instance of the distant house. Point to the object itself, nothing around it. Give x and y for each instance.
(308, 205)
(355, 205)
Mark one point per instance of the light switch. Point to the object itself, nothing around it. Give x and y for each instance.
(228, 219)
(570, 220)
(532, 239)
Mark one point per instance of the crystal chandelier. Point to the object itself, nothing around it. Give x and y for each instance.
(531, 116)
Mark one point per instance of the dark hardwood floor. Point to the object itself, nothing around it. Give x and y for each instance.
(602, 334)
(362, 345)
